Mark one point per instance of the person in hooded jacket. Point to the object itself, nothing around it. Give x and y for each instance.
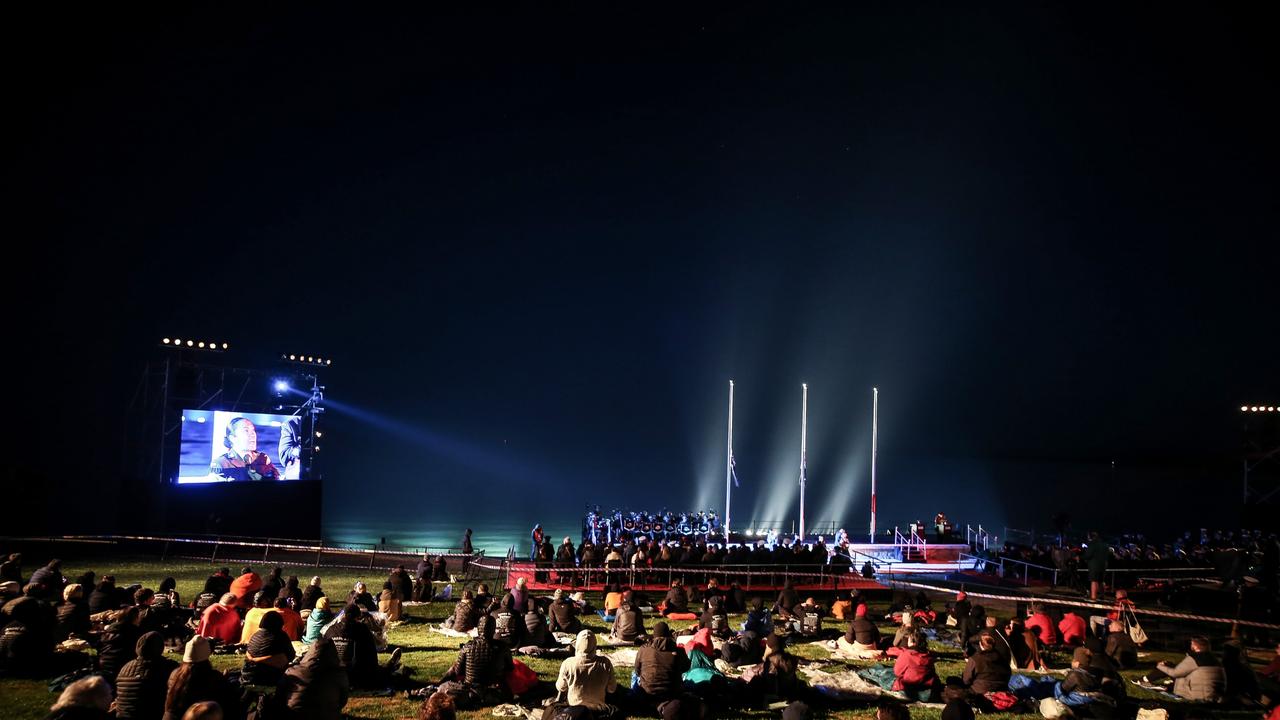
(292, 593)
(245, 586)
(317, 687)
(676, 600)
(357, 648)
(221, 621)
(537, 633)
(219, 583)
(311, 594)
(660, 663)
(986, 670)
(914, 672)
(195, 680)
(508, 624)
(104, 596)
(143, 682)
(389, 603)
(587, 678)
(273, 583)
(777, 678)
(119, 644)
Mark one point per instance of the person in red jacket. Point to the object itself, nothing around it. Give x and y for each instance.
(914, 672)
(245, 586)
(1072, 628)
(221, 621)
(1040, 623)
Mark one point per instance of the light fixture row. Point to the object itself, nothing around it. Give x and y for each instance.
(1257, 408)
(195, 344)
(306, 359)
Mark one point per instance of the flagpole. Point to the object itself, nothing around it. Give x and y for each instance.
(875, 426)
(728, 468)
(804, 433)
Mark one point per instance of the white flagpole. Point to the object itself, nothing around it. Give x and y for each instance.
(875, 427)
(728, 467)
(804, 433)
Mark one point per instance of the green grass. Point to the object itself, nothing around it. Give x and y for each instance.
(430, 654)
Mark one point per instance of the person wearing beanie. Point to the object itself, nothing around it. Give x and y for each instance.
(88, 698)
(196, 681)
(759, 620)
(586, 678)
(660, 663)
(143, 681)
(861, 641)
(316, 620)
(221, 622)
(562, 616)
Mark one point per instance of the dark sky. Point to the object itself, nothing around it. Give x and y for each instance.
(538, 243)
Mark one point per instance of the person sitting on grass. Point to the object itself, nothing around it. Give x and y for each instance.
(1199, 677)
(759, 620)
(1121, 648)
(294, 625)
(808, 622)
(1025, 646)
(481, 668)
(676, 602)
(537, 634)
(777, 678)
(360, 596)
(986, 670)
(586, 679)
(914, 672)
(316, 688)
(715, 619)
(88, 698)
(508, 625)
(358, 651)
(119, 643)
(245, 586)
(311, 594)
(1073, 629)
(218, 584)
(862, 639)
(73, 615)
(195, 681)
(262, 605)
(439, 706)
(316, 620)
(483, 599)
(143, 682)
(292, 593)
(628, 624)
(787, 600)
(389, 603)
(562, 616)
(465, 614)
(658, 669)
(612, 601)
(268, 652)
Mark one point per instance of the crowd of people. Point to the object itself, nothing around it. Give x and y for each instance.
(53, 619)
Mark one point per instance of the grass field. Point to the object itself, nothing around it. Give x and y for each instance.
(430, 654)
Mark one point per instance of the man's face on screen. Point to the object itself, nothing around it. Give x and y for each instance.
(244, 437)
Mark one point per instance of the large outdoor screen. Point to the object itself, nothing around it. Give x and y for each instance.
(220, 446)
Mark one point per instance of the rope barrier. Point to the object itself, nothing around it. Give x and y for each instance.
(1086, 604)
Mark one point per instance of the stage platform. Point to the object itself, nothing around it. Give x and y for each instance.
(887, 559)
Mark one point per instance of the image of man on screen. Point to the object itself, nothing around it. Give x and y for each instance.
(291, 448)
(242, 461)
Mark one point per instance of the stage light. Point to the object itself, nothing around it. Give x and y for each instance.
(166, 341)
(201, 344)
(328, 362)
(191, 343)
(319, 434)
(176, 341)
(225, 346)
(1253, 409)
(317, 448)
(1244, 408)
(282, 386)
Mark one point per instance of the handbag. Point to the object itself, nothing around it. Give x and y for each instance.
(951, 621)
(1135, 630)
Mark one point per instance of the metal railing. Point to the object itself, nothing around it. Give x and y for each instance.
(584, 576)
(977, 537)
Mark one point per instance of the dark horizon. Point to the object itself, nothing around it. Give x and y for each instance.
(538, 245)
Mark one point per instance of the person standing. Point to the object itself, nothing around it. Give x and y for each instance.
(1096, 554)
(537, 536)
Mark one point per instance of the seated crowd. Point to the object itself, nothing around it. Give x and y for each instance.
(674, 675)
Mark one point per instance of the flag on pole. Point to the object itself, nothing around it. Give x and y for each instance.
(733, 465)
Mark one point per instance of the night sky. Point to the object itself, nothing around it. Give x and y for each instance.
(539, 242)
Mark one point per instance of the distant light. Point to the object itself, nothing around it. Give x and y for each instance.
(281, 386)
(184, 418)
(311, 359)
(275, 423)
(190, 343)
(1253, 409)
(317, 448)
(213, 345)
(166, 341)
(293, 357)
(224, 346)
(319, 434)
(328, 362)
(200, 419)
(176, 341)
(201, 344)
(1271, 409)
(1244, 408)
